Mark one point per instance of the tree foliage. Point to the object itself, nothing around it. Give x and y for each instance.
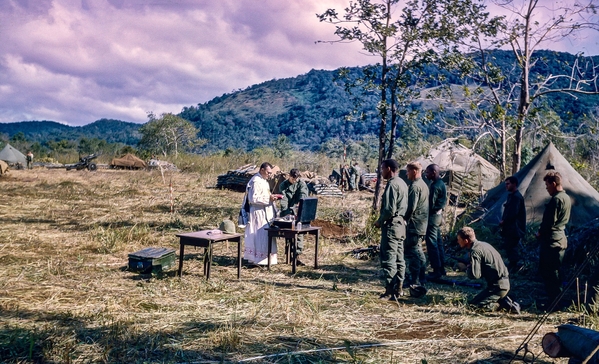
(168, 135)
(405, 36)
(526, 31)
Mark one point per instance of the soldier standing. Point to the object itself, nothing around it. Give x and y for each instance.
(354, 176)
(513, 222)
(417, 220)
(29, 159)
(394, 204)
(293, 190)
(437, 200)
(552, 235)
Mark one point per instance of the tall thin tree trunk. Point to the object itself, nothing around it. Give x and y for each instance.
(382, 138)
(523, 107)
(376, 201)
(503, 149)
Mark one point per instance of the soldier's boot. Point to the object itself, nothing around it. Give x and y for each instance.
(387, 295)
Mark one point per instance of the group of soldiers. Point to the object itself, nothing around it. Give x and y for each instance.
(408, 217)
(349, 177)
(412, 214)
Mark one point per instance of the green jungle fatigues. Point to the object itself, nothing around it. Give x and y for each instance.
(394, 204)
(417, 221)
(437, 199)
(354, 175)
(345, 178)
(553, 242)
(29, 159)
(514, 226)
(292, 194)
(486, 263)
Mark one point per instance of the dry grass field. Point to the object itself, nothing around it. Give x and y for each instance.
(67, 297)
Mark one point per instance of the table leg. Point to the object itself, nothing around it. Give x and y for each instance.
(239, 257)
(316, 250)
(209, 260)
(270, 239)
(205, 259)
(181, 252)
(294, 253)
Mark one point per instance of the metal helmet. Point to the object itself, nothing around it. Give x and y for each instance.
(227, 226)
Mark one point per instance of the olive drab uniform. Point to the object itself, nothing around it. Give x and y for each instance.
(29, 159)
(513, 227)
(553, 242)
(437, 199)
(345, 177)
(354, 177)
(292, 194)
(394, 204)
(417, 219)
(486, 263)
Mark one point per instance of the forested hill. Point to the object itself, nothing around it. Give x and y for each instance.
(309, 109)
(312, 108)
(112, 131)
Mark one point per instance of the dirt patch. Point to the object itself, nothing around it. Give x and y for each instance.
(428, 329)
(331, 230)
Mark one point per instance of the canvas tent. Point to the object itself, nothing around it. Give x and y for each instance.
(12, 156)
(585, 199)
(128, 161)
(462, 169)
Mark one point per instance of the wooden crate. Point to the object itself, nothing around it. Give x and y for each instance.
(151, 260)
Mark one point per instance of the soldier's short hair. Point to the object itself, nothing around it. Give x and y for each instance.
(513, 180)
(414, 166)
(295, 173)
(467, 233)
(392, 164)
(553, 176)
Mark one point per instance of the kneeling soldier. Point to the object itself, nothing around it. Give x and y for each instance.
(486, 262)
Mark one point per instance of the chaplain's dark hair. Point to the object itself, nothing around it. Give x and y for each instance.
(392, 164)
(513, 180)
(265, 165)
(295, 173)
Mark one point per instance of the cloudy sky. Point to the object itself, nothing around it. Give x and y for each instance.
(77, 61)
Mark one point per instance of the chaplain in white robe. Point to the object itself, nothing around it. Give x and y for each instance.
(262, 211)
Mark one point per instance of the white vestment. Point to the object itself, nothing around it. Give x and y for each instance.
(261, 212)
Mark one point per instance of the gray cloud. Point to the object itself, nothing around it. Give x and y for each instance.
(76, 61)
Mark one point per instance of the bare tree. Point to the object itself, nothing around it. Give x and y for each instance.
(499, 101)
(533, 24)
(403, 35)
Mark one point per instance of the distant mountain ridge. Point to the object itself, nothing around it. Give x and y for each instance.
(113, 131)
(309, 109)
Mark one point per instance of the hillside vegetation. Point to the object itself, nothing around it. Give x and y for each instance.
(309, 110)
